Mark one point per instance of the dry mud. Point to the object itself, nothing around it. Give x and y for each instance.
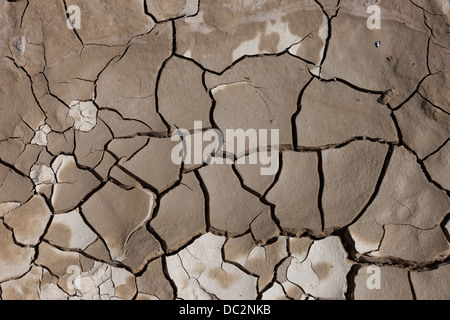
(92, 205)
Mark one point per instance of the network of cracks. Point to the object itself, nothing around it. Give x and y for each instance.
(93, 207)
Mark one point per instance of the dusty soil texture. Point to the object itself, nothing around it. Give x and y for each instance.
(93, 206)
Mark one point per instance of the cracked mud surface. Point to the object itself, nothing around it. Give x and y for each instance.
(93, 207)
